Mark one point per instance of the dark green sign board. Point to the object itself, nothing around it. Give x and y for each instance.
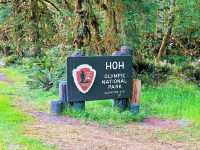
(99, 77)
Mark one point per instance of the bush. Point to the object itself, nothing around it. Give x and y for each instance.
(46, 71)
(192, 71)
(9, 60)
(151, 73)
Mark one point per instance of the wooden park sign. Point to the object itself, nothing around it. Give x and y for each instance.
(99, 77)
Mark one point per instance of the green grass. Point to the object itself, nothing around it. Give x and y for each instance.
(175, 99)
(98, 111)
(13, 74)
(103, 113)
(11, 128)
(19, 88)
(12, 120)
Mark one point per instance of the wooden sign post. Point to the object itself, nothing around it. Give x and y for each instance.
(135, 100)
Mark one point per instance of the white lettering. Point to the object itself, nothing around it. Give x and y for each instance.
(108, 66)
(121, 65)
(114, 65)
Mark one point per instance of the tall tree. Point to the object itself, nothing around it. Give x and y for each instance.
(35, 27)
(18, 33)
(168, 31)
(160, 19)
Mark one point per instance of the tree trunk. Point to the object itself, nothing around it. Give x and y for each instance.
(168, 31)
(18, 27)
(160, 20)
(95, 25)
(111, 36)
(82, 28)
(36, 50)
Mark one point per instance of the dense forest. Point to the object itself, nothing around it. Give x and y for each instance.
(161, 109)
(40, 34)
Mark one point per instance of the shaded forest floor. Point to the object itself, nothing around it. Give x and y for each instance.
(34, 128)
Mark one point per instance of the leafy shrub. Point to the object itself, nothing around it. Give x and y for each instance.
(192, 71)
(161, 72)
(46, 71)
(10, 59)
(176, 59)
(151, 73)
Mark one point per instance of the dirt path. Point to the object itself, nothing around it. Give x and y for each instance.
(66, 133)
(70, 134)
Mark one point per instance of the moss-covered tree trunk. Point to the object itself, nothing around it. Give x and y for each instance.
(168, 31)
(88, 33)
(18, 33)
(160, 20)
(36, 49)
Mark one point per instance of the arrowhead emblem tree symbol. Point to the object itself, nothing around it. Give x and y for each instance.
(84, 77)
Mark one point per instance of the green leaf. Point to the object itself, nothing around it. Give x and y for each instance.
(4, 13)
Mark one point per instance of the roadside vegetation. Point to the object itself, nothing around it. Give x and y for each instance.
(12, 119)
(175, 99)
(172, 99)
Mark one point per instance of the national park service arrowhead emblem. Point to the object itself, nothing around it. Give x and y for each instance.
(84, 77)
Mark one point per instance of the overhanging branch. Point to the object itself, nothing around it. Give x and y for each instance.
(52, 4)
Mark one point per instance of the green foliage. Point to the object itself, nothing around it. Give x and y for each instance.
(176, 99)
(9, 60)
(46, 71)
(187, 20)
(191, 71)
(187, 27)
(178, 60)
(102, 112)
(152, 74)
(5, 11)
(173, 99)
(12, 121)
(139, 20)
